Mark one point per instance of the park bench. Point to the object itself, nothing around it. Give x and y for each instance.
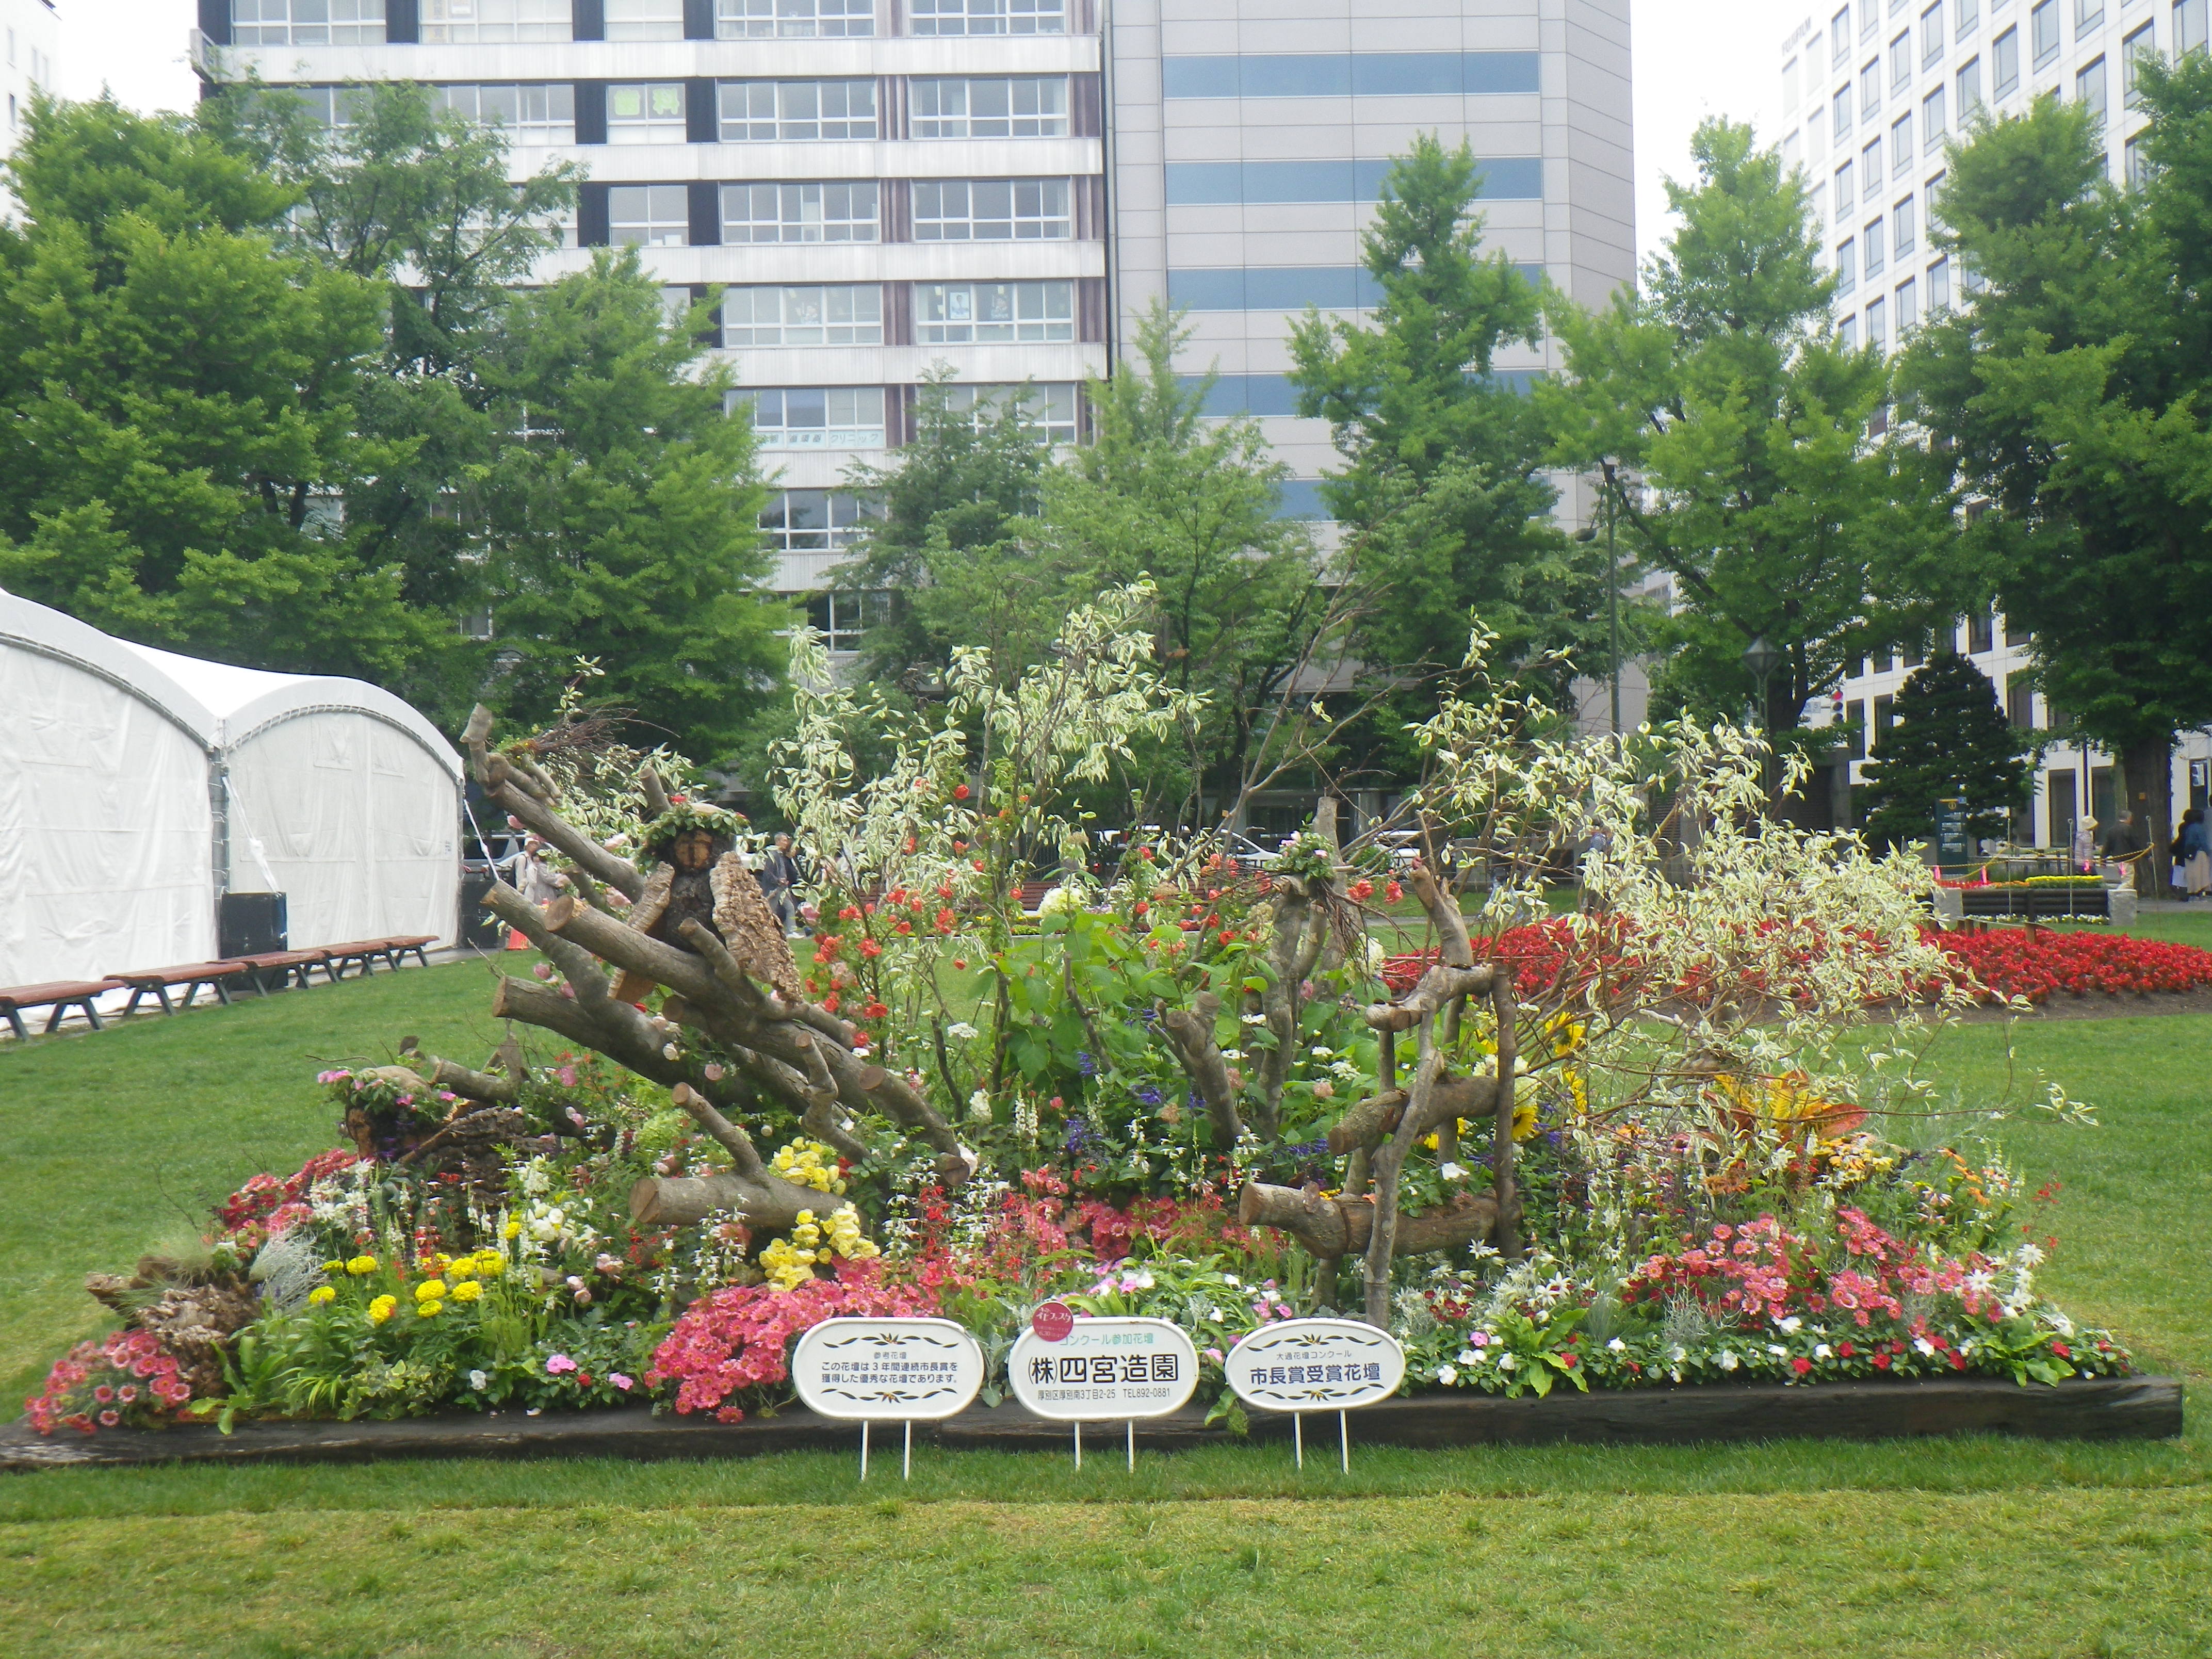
(158, 982)
(288, 966)
(416, 945)
(366, 951)
(61, 995)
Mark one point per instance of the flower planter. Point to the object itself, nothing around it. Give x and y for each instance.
(2055, 903)
(2095, 1408)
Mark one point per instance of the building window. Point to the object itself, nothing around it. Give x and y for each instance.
(646, 114)
(1840, 32)
(2135, 164)
(816, 417)
(1934, 120)
(1847, 267)
(990, 16)
(2004, 65)
(2015, 637)
(1901, 145)
(1900, 62)
(1966, 15)
(991, 211)
(1869, 17)
(1871, 157)
(1816, 141)
(1847, 333)
(2133, 50)
(1884, 719)
(766, 112)
(1793, 152)
(1843, 110)
(799, 213)
(814, 520)
(1049, 412)
(2089, 90)
(1870, 87)
(2043, 31)
(649, 215)
(531, 115)
(1902, 228)
(2020, 700)
(1908, 305)
(793, 20)
(334, 109)
(1932, 36)
(1981, 634)
(1873, 238)
(2087, 15)
(644, 19)
(1877, 325)
(2188, 25)
(957, 313)
(1858, 729)
(448, 22)
(1939, 287)
(848, 314)
(306, 22)
(1970, 88)
(841, 618)
(1847, 192)
(997, 107)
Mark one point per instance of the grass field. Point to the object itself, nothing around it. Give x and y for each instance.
(1962, 1549)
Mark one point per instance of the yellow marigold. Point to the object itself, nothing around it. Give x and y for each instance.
(319, 1295)
(467, 1290)
(381, 1309)
(430, 1309)
(362, 1264)
(464, 1268)
(429, 1290)
(489, 1264)
(334, 1267)
(513, 1229)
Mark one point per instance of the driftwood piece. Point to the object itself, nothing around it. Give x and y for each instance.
(1191, 1032)
(1378, 1116)
(1334, 1227)
(752, 1192)
(500, 782)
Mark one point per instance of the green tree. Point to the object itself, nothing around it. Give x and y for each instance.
(1730, 426)
(178, 394)
(1164, 493)
(1443, 493)
(948, 545)
(1951, 742)
(2071, 398)
(620, 513)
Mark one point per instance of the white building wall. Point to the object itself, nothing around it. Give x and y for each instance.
(1957, 56)
(30, 35)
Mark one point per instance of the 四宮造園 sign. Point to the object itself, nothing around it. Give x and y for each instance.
(1104, 1370)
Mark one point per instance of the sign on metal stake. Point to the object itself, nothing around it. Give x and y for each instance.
(901, 1371)
(1301, 1365)
(1093, 1371)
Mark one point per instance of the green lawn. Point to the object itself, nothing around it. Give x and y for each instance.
(1968, 1548)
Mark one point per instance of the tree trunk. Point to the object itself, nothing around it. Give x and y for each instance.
(2148, 771)
(1332, 1227)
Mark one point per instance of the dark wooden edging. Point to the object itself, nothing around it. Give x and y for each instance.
(2104, 1408)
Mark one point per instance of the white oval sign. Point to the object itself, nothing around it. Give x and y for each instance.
(1316, 1365)
(895, 1370)
(1105, 1370)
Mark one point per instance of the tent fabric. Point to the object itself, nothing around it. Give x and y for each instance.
(135, 785)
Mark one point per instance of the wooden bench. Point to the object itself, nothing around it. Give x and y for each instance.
(288, 966)
(61, 995)
(366, 951)
(416, 945)
(159, 982)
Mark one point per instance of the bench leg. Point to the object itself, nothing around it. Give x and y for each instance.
(331, 969)
(131, 1007)
(16, 1023)
(422, 956)
(91, 1014)
(162, 992)
(221, 991)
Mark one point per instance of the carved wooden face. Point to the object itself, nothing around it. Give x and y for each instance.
(693, 850)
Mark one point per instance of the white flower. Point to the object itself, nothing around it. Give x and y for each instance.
(1617, 1346)
(962, 1029)
(1377, 955)
(1979, 1280)
(1506, 1362)
(1451, 1172)
(1726, 1360)
(1322, 1051)
(1447, 1376)
(1924, 1345)
(2028, 1255)
(1232, 1280)
(1778, 1350)
(668, 1051)
(1345, 1069)
(1254, 1019)
(1789, 1326)
(1824, 1352)
(1058, 901)
(979, 1107)
(1469, 1357)
(476, 1381)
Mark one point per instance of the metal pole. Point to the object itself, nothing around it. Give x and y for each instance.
(906, 1469)
(1613, 606)
(1078, 1447)
(1133, 1445)
(1344, 1438)
(1298, 1435)
(864, 1448)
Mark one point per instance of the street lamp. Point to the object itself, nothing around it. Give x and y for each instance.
(1763, 660)
(1611, 598)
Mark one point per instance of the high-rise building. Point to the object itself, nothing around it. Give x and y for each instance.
(30, 33)
(998, 186)
(1872, 91)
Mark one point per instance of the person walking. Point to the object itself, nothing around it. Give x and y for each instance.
(780, 876)
(2195, 844)
(2084, 849)
(535, 879)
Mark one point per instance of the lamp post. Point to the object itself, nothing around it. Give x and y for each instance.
(1612, 597)
(1763, 659)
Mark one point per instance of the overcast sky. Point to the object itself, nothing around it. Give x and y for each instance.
(1693, 58)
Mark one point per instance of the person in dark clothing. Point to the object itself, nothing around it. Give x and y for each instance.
(780, 876)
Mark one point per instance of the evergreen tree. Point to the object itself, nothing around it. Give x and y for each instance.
(1951, 742)
(1444, 492)
(1730, 425)
(2073, 397)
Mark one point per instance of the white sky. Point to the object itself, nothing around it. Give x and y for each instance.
(1693, 58)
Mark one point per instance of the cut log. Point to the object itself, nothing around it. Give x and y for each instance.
(1377, 1116)
(1330, 1227)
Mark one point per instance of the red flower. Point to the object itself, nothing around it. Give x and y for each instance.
(1800, 1364)
(874, 1010)
(960, 792)
(870, 948)
(2061, 1351)
(1881, 1361)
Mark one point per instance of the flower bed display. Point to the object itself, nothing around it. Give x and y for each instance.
(2013, 962)
(1188, 1094)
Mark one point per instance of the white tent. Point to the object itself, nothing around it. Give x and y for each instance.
(136, 787)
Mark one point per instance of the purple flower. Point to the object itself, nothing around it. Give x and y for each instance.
(1149, 1096)
(1084, 1063)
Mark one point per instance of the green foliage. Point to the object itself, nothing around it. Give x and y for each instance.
(1722, 390)
(1444, 489)
(2072, 394)
(1951, 742)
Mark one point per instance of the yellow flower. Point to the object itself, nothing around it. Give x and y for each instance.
(1524, 1120)
(467, 1290)
(381, 1309)
(513, 1229)
(489, 1264)
(464, 1268)
(429, 1290)
(430, 1309)
(362, 1264)
(321, 1294)
(334, 1267)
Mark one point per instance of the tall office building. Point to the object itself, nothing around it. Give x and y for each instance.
(998, 186)
(1871, 92)
(31, 33)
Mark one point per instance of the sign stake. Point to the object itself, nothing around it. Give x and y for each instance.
(906, 1469)
(1133, 1445)
(1298, 1433)
(1078, 1445)
(864, 1448)
(1344, 1437)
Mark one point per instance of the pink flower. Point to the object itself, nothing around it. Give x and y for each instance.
(559, 1363)
(567, 1076)
(109, 1419)
(620, 1382)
